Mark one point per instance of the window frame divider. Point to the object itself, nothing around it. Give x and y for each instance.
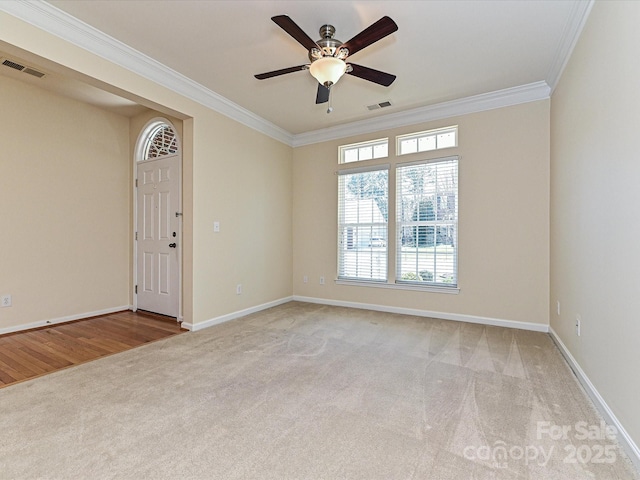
(429, 160)
(364, 169)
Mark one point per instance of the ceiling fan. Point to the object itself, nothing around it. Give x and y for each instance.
(328, 55)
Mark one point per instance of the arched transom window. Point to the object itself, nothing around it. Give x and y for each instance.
(161, 141)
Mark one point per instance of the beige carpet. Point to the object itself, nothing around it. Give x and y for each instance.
(305, 391)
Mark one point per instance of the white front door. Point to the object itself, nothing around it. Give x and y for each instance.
(158, 201)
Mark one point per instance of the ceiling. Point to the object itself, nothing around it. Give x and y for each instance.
(58, 81)
(442, 51)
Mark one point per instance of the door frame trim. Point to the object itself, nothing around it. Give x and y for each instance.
(137, 160)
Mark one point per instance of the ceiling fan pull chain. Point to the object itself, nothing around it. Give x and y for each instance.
(330, 109)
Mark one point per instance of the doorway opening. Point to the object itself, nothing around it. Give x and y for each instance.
(157, 251)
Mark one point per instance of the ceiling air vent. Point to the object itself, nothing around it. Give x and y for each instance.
(377, 106)
(33, 72)
(16, 66)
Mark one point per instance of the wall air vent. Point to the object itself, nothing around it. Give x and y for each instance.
(377, 106)
(17, 66)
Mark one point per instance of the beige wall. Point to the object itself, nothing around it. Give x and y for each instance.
(241, 179)
(233, 175)
(503, 218)
(595, 206)
(64, 192)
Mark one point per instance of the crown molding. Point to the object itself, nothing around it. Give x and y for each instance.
(573, 29)
(56, 22)
(477, 103)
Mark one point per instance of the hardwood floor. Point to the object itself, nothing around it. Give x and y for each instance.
(32, 353)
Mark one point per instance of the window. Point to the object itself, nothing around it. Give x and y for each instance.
(358, 152)
(161, 141)
(426, 141)
(427, 222)
(422, 214)
(362, 223)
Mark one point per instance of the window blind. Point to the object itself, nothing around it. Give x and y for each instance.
(363, 201)
(427, 222)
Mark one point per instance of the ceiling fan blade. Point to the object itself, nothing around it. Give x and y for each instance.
(289, 26)
(383, 27)
(323, 94)
(375, 76)
(275, 73)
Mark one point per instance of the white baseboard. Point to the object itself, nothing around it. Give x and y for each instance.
(194, 327)
(70, 318)
(497, 322)
(624, 438)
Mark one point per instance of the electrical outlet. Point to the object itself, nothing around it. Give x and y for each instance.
(578, 325)
(5, 301)
(321, 280)
(239, 289)
(305, 279)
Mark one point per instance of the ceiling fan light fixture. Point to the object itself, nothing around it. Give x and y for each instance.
(328, 70)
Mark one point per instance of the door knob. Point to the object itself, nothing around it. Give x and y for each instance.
(172, 245)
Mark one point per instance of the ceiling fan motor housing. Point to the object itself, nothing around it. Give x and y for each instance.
(328, 45)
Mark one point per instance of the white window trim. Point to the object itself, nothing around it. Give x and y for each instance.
(372, 143)
(429, 160)
(399, 286)
(364, 169)
(423, 286)
(350, 171)
(426, 133)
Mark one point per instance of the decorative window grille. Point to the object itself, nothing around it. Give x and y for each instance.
(162, 141)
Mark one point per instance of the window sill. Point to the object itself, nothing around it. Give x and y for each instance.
(400, 286)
